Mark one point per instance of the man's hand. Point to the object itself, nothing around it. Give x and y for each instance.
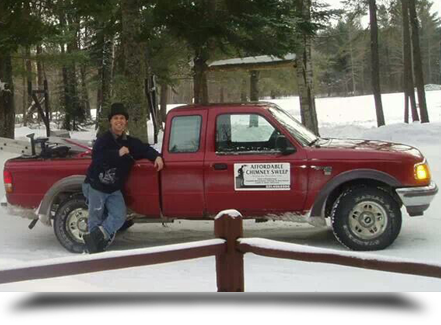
(159, 164)
(123, 151)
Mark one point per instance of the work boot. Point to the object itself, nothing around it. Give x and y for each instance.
(95, 241)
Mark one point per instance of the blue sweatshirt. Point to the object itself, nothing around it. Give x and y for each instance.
(108, 171)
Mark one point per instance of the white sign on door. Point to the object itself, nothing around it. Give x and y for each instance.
(262, 177)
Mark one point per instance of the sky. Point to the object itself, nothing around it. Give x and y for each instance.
(435, 8)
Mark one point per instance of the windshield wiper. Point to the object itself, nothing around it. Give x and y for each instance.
(313, 142)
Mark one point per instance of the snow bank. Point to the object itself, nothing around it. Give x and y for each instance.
(113, 254)
(276, 245)
(432, 87)
(232, 213)
(359, 111)
(415, 134)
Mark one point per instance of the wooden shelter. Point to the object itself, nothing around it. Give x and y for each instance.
(253, 64)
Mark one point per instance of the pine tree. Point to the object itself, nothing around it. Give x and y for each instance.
(7, 109)
(234, 28)
(305, 72)
(17, 27)
(429, 40)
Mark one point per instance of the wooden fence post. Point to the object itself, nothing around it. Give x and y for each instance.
(229, 266)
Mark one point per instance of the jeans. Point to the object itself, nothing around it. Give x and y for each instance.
(105, 210)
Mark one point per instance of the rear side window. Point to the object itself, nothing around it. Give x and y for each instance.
(185, 134)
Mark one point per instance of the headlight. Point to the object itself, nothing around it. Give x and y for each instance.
(422, 171)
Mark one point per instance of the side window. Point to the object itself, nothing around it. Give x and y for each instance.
(185, 134)
(245, 133)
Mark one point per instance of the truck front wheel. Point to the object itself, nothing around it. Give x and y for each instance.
(366, 219)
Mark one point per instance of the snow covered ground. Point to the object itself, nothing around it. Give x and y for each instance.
(353, 117)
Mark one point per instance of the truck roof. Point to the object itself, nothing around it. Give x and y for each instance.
(224, 105)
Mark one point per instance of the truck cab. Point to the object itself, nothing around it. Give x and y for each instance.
(226, 157)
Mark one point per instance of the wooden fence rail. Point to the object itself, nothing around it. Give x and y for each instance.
(229, 249)
(96, 263)
(255, 246)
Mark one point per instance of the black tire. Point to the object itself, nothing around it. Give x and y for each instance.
(366, 219)
(71, 223)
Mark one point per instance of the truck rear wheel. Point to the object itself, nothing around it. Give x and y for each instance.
(366, 219)
(70, 223)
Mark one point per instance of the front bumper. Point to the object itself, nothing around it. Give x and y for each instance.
(417, 199)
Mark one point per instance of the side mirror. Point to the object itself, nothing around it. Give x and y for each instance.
(284, 146)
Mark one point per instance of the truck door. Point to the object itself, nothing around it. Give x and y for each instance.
(244, 171)
(182, 179)
(142, 189)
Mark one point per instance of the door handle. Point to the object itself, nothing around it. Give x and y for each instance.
(220, 166)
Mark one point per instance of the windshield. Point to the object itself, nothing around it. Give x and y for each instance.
(293, 126)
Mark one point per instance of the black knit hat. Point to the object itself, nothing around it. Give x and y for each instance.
(118, 109)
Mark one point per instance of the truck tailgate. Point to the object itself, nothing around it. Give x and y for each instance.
(33, 178)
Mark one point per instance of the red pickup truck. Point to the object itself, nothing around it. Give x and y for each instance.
(254, 158)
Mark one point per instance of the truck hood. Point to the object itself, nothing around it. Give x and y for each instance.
(360, 148)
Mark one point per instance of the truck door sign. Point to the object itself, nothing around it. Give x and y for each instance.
(262, 177)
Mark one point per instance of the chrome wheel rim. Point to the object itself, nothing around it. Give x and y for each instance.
(368, 220)
(76, 224)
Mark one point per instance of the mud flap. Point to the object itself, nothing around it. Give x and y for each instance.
(316, 221)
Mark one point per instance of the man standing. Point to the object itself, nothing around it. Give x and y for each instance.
(113, 156)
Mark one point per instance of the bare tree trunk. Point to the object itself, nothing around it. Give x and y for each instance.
(222, 94)
(254, 86)
(429, 62)
(354, 88)
(406, 108)
(243, 91)
(28, 68)
(7, 108)
(105, 74)
(40, 68)
(418, 66)
(66, 96)
(375, 63)
(84, 92)
(132, 93)
(305, 73)
(439, 80)
(28, 74)
(85, 103)
(409, 92)
(254, 95)
(200, 78)
(24, 100)
(202, 55)
(163, 102)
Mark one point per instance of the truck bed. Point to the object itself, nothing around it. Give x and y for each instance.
(32, 179)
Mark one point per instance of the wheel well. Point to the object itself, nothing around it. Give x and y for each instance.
(62, 197)
(357, 183)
